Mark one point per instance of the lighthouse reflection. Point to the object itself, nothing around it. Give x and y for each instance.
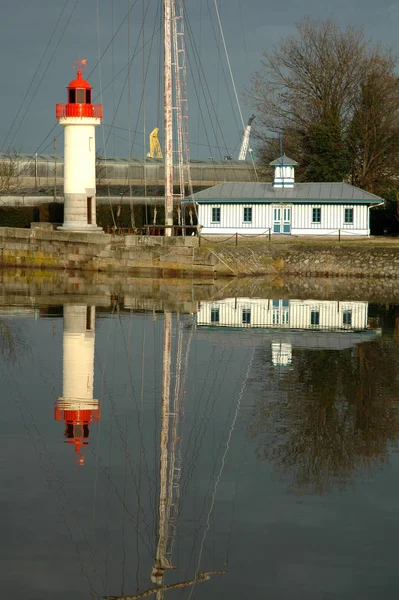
(77, 407)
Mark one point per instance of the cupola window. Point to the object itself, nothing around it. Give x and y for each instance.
(78, 96)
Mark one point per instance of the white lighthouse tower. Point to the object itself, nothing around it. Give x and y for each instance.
(79, 117)
(76, 407)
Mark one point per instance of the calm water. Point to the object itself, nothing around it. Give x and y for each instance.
(229, 446)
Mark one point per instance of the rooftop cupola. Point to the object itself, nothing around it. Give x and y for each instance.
(284, 172)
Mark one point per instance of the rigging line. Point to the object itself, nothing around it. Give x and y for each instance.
(192, 470)
(215, 393)
(113, 63)
(232, 79)
(240, 395)
(139, 420)
(124, 515)
(220, 445)
(200, 112)
(239, 130)
(101, 102)
(101, 56)
(45, 71)
(228, 63)
(141, 446)
(144, 110)
(137, 132)
(200, 52)
(244, 36)
(131, 145)
(123, 68)
(202, 80)
(99, 424)
(135, 53)
(142, 103)
(35, 73)
(129, 113)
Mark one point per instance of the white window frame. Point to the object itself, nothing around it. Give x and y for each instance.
(316, 208)
(349, 224)
(219, 208)
(243, 215)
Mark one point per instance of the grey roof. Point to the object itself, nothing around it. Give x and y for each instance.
(301, 192)
(284, 160)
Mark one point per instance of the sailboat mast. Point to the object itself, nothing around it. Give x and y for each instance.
(168, 117)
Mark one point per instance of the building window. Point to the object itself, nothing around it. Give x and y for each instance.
(347, 317)
(247, 214)
(72, 96)
(216, 214)
(315, 318)
(214, 315)
(348, 218)
(88, 96)
(316, 215)
(246, 316)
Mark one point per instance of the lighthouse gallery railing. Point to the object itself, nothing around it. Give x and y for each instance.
(79, 110)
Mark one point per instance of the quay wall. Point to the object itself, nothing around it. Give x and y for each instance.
(183, 257)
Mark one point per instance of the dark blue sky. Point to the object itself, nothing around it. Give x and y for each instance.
(26, 28)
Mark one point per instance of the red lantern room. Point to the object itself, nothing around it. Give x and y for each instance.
(79, 100)
(77, 426)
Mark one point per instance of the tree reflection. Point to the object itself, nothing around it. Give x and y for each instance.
(12, 343)
(335, 416)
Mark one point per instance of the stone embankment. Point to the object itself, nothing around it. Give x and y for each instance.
(182, 257)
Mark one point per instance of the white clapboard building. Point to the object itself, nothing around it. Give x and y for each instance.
(285, 207)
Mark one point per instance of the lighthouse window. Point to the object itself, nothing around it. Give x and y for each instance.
(88, 96)
(80, 96)
(72, 96)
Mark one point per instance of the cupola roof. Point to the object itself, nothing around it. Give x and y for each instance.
(79, 83)
(284, 161)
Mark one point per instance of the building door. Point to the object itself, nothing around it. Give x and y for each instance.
(281, 219)
(89, 211)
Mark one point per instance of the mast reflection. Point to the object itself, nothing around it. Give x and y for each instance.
(77, 407)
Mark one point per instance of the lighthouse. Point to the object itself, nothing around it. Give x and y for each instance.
(76, 407)
(79, 117)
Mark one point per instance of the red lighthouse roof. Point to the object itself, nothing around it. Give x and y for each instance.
(79, 100)
(79, 82)
(77, 423)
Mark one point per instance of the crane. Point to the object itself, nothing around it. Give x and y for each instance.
(245, 140)
(155, 146)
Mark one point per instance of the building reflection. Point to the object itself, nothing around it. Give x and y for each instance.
(331, 415)
(318, 324)
(77, 407)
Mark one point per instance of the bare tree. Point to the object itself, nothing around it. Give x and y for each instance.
(10, 179)
(323, 90)
(374, 130)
